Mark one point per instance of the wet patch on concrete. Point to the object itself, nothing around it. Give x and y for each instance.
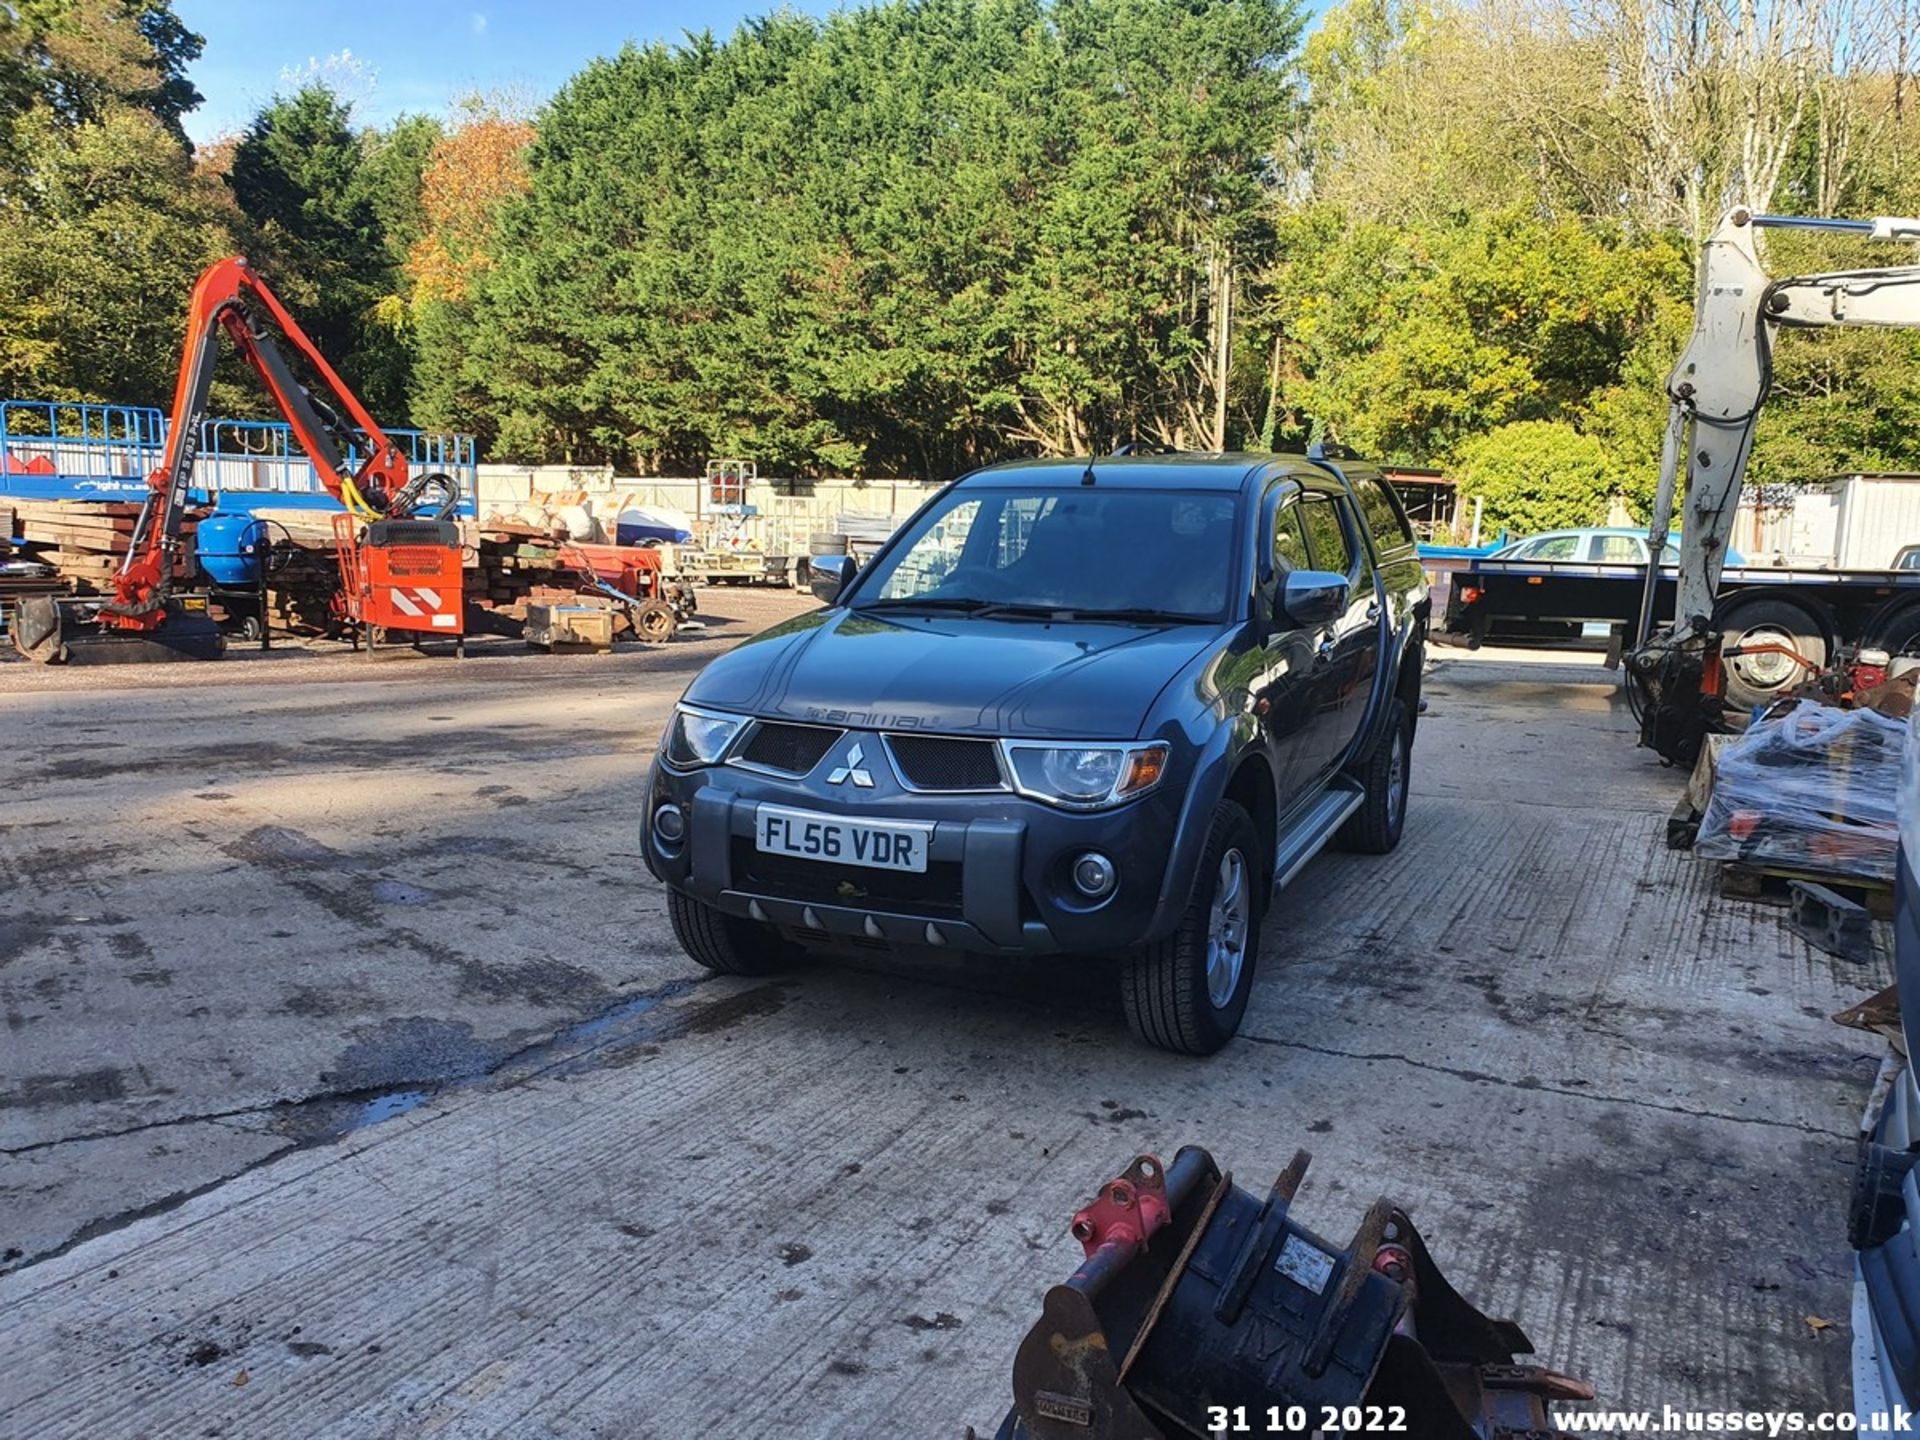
(317, 1002)
(20, 933)
(89, 1087)
(129, 945)
(50, 865)
(412, 1051)
(219, 762)
(728, 1011)
(278, 846)
(552, 984)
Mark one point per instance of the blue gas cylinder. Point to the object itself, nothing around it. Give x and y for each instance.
(229, 548)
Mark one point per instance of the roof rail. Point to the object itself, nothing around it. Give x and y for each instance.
(1144, 447)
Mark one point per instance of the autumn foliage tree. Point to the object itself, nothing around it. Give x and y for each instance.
(477, 166)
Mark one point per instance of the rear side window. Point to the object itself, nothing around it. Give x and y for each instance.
(1609, 549)
(1384, 516)
(1326, 537)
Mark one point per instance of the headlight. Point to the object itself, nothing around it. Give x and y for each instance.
(1085, 777)
(700, 737)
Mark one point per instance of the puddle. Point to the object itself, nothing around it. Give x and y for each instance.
(623, 1031)
(386, 1107)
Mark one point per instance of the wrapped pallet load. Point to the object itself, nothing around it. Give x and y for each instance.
(1809, 787)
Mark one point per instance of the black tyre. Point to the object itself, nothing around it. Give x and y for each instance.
(1375, 827)
(1187, 992)
(655, 622)
(726, 944)
(1764, 620)
(1895, 628)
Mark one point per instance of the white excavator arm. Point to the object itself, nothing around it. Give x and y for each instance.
(1721, 382)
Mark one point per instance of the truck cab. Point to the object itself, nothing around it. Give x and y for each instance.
(1073, 707)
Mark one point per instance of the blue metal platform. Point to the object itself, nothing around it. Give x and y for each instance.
(71, 450)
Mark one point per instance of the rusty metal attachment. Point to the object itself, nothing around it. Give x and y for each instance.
(1196, 1295)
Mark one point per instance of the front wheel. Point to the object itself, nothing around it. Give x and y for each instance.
(1188, 992)
(726, 944)
(1375, 827)
(654, 621)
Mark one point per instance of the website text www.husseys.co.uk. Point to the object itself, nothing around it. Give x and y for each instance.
(1771, 1423)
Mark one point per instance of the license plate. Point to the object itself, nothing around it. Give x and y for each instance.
(877, 844)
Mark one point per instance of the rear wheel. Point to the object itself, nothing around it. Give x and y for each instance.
(1895, 628)
(1375, 827)
(1188, 992)
(726, 944)
(1768, 627)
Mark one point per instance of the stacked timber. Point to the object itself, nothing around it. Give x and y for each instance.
(21, 576)
(85, 540)
(518, 564)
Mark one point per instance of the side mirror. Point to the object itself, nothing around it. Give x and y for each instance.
(827, 576)
(1314, 597)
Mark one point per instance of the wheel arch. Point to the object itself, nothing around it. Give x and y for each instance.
(1252, 788)
(1893, 615)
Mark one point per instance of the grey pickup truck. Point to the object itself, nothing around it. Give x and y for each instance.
(1072, 707)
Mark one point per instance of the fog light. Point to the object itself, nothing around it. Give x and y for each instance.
(1093, 875)
(669, 824)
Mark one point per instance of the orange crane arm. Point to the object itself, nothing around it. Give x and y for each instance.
(229, 296)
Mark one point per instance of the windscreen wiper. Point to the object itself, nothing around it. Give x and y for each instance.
(967, 606)
(1144, 614)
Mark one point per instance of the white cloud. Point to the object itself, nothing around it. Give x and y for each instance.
(477, 23)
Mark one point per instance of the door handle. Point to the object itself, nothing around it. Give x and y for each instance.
(1325, 651)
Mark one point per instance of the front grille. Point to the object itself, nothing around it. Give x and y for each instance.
(939, 762)
(790, 749)
(934, 893)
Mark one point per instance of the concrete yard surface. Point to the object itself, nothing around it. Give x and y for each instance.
(354, 1085)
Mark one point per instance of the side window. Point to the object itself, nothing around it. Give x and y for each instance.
(1613, 549)
(1326, 538)
(1289, 540)
(1385, 518)
(1550, 547)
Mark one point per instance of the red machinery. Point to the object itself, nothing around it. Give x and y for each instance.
(399, 554)
(636, 581)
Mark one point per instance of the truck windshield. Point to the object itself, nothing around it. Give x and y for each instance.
(1124, 554)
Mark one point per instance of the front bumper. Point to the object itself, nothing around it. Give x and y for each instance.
(996, 880)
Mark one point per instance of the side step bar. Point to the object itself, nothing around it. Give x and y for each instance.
(1309, 834)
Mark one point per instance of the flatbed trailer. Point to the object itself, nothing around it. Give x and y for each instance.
(744, 567)
(1782, 619)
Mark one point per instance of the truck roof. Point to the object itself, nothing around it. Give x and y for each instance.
(1187, 470)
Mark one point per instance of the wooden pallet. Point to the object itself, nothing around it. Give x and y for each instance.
(1768, 884)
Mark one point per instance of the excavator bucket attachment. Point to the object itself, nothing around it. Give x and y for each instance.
(1195, 1293)
(53, 631)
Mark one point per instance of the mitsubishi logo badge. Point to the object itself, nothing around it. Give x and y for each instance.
(852, 770)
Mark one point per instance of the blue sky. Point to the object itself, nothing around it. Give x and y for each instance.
(420, 54)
